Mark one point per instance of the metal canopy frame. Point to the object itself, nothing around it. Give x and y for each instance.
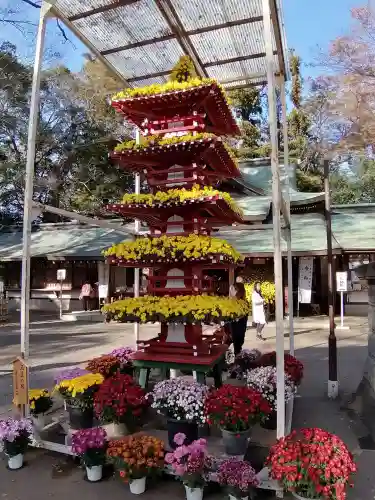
(263, 28)
(225, 39)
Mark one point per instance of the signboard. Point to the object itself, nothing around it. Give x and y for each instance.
(61, 274)
(103, 291)
(53, 287)
(20, 382)
(103, 280)
(306, 265)
(342, 281)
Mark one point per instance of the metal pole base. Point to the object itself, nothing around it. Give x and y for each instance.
(333, 389)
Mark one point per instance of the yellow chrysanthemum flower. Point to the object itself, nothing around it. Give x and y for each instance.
(177, 196)
(79, 385)
(157, 88)
(183, 308)
(174, 247)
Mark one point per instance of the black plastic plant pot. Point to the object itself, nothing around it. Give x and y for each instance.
(271, 422)
(181, 426)
(80, 418)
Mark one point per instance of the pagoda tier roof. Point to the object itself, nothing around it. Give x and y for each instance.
(209, 150)
(207, 99)
(156, 215)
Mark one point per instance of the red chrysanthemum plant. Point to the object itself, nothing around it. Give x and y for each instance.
(120, 400)
(312, 463)
(236, 409)
(292, 366)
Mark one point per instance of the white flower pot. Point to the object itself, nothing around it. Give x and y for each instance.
(138, 486)
(94, 473)
(114, 430)
(15, 462)
(194, 493)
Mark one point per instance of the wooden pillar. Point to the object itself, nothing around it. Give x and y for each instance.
(333, 385)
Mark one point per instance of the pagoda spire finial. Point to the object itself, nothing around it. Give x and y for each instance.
(184, 70)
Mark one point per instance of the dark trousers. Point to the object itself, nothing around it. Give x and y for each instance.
(238, 334)
(86, 303)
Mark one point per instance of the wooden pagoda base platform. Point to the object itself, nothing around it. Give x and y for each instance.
(201, 366)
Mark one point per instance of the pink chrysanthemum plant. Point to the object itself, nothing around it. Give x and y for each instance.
(190, 463)
(238, 478)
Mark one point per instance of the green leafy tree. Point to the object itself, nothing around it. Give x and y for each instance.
(72, 169)
(247, 101)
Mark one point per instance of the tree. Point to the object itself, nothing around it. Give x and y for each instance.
(351, 59)
(72, 169)
(298, 120)
(248, 103)
(92, 88)
(248, 106)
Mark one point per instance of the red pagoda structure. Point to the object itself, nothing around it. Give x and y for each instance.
(182, 158)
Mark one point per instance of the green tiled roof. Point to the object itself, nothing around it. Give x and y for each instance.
(57, 240)
(354, 229)
(258, 173)
(308, 235)
(258, 207)
(254, 207)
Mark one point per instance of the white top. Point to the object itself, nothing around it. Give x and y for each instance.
(258, 308)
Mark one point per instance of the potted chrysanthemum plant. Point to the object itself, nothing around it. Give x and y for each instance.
(40, 401)
(124, 355)
(238, 478)
(244, 361)
(235, 410)
(119, 404)
(190, 464)
(135, 458)
(78, 394)
(107, 365)
(264, 380)
(292, 366)
(182, 403)
(90, 445)
(15, 439)
(312, 464)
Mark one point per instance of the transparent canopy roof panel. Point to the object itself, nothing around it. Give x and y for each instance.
(143, 39)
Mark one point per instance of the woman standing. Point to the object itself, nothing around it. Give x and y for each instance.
(258, 311)
(85, 295)
(238, 327)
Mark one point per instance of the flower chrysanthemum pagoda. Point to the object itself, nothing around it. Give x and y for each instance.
(182, 158)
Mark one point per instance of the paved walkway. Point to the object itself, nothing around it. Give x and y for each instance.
(55, 345)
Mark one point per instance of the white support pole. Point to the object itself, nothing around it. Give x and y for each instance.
(137, 190)
(342, 309)
(289, 228)
(276, 206)
(29, 180)
(61, 299)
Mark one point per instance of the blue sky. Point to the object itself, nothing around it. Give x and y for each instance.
(314, 23)
(309, 24)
